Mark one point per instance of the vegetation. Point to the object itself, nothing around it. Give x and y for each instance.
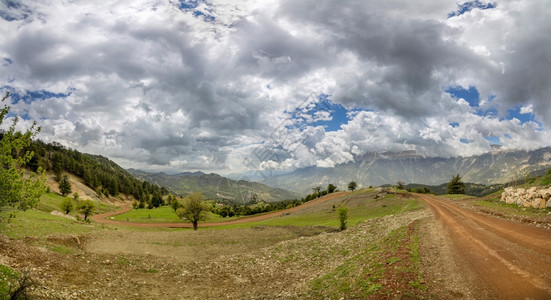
(193, 209)
(14, 285)
(214, 186)
(375, 273)
(18, 188)
(400, 185)
(352, 186)
(87, 208)
(343, 217)
(98, 172)
(67, 205)
(456, 186)
(65, 186)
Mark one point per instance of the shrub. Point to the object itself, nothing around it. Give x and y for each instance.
(67, 205)
(343, 216)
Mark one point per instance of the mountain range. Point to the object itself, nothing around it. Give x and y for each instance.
(214, 186)
(388, 168)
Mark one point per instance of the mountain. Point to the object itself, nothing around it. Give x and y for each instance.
(96, 172)
(214, 186)
(388, 168)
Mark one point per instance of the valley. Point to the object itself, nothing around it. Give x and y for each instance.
(397, 245)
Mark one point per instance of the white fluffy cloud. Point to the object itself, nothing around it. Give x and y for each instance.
(185, 85)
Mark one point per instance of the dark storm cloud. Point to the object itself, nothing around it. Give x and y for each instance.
(158, 86)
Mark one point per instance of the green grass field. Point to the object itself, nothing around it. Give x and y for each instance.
(361, 207)
(163, 214)
(38, 222)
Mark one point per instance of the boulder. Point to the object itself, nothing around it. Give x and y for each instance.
(536, 202)
(542, 203)
(545, 194)
(548, 205)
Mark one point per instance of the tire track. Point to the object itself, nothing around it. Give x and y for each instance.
(513, 259)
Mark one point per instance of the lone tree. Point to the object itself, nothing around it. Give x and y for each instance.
(352, 186)
(331, 188)
(18, 188)
(400, 185)
(65, 186)
(343, 216)
(193, 209)
(87, 208)
(456, 186)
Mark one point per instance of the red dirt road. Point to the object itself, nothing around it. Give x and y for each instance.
(104, 218)
(513, 259)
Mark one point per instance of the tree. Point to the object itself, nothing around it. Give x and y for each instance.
(331, 188)
(175, 204)
(400, 185)
(193, 209)
(87, 208)
(343, 216)
(67, 205)
(456, 186)
(18, 188)
(156, 200)
(317, 191)
(352, 185)
(65, 186)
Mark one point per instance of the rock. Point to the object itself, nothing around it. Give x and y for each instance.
(536, 202)
(545, 194)
(548, 203)
(542, 203)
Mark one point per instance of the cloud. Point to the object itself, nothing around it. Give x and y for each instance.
(172, 85)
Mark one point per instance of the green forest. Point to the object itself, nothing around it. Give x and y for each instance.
(98, 172)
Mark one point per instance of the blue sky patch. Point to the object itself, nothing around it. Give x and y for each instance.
(468, 6)
(324, 113)
(454, 124)
(193, 7)
(31, 96)
(471, 95)
(464, 141)
(494, 140)
(523, 117)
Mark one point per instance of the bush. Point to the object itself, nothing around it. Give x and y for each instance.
(343, 216)
(87, 207)
(67, 205)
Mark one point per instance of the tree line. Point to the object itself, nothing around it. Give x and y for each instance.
(101, 174)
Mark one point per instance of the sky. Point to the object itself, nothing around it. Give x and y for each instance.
(229, 86)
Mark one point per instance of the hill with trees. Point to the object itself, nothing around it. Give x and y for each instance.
(99, 173)
(214, 186)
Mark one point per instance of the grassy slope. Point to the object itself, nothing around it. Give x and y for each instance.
(38, 222)
(324, 214)
(161, 215)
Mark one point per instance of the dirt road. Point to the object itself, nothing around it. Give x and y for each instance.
(104, 218)
(512, 259)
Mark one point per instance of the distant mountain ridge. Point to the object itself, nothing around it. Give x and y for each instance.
(390, 167)
(214, 186)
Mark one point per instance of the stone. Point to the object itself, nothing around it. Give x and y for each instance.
(536, 202)
(542, 203)
(545, 194)
(548, 205)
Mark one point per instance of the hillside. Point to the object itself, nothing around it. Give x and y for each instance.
(98, 173)
(388, 168)
(214, 186)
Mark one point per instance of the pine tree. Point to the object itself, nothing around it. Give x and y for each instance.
(65, 186)
(456, 186)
